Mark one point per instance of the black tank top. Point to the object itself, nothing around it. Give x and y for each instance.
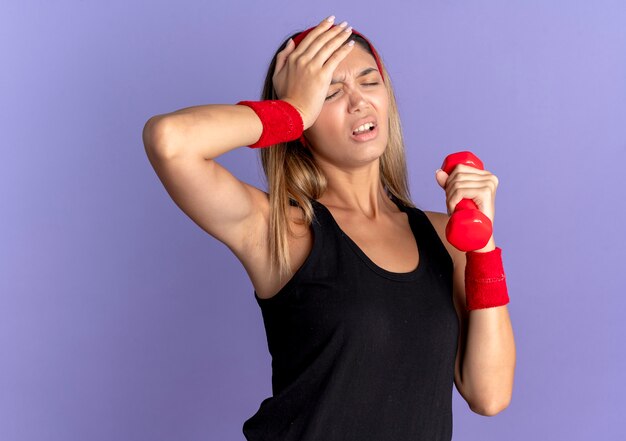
(360, 353)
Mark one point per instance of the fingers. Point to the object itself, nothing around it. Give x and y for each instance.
(319, 29)
(310, 47)
(477, 185)
(331, 54)
(489, 182)
(327, 38)
(481, 195)
(281, 57)
(469, 190)
(467, 173)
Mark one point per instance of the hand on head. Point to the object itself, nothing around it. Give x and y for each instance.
(303, 73)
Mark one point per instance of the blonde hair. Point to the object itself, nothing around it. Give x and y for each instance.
(293, 177)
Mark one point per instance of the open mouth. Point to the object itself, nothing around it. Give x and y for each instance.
(365, 128)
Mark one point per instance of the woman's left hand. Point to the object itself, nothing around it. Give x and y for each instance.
(467, 182)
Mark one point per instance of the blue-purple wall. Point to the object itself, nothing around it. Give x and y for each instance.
(120, 319)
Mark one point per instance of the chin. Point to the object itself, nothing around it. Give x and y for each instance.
(365, 153)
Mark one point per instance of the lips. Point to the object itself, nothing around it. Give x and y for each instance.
(362, 121)
(365, 136)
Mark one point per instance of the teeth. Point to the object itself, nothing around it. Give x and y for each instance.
(363, 128)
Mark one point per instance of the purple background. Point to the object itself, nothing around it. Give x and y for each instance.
(120, 319)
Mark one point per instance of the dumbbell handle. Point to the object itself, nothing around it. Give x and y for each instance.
(468, 228)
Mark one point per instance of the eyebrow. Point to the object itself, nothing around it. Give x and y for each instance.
(362, 73)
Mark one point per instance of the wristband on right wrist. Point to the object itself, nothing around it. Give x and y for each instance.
(281, 121)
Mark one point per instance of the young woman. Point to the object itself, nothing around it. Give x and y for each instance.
(365, 304)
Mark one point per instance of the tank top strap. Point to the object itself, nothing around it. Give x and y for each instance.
(430, 239)
(337, 239)
(432, 249)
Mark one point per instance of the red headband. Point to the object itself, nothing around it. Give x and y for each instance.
(298, 38)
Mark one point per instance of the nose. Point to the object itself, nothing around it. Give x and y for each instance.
(356, 99)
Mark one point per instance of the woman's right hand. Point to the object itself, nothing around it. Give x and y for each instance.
(303, 74)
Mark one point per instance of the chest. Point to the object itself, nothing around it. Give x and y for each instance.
(390, 244)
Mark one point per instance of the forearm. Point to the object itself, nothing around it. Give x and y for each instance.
(489, 360)
(205, 131)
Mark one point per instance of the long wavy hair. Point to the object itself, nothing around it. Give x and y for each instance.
(293, 177)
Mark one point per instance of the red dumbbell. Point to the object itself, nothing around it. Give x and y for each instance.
(468, 228)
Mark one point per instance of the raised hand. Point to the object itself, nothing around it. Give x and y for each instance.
(302, 74)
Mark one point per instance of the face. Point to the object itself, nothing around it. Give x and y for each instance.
(352, 98)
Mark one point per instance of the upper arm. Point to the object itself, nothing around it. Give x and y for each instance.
(233, 212)
(439, 221)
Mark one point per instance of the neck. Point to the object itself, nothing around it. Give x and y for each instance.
(357, 191)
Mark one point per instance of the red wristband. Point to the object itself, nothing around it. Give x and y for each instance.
(281, 121)
(485, 281)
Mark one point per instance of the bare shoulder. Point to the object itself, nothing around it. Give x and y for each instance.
(439, 221)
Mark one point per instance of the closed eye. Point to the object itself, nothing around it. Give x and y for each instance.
(365, 84)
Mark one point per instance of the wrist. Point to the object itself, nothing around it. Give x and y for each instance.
(491, 245)
(305, 122)
(485, 280)
(282, 122)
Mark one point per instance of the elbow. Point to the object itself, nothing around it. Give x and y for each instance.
(490, 408)
(157, 137)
